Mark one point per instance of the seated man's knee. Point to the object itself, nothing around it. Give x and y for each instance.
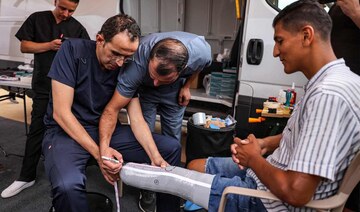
(69, 186)
(197, 165)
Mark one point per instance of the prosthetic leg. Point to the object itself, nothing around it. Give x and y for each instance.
(187, 184)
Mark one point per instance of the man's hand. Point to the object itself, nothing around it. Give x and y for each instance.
(55, 44)
(350, 8)
(159, 161)
(243, 150)
(184, 96)
(111, 178)
(110, 169)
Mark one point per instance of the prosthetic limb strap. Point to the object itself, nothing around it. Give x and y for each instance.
(187, 184)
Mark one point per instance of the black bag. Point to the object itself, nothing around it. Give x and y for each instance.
(203, 142)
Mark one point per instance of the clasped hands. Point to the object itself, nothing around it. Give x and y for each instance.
(243, 151)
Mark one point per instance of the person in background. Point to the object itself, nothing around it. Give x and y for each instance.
(345, 35)
(309, 159)
(345, 40)
(42, 34)
(164, 66)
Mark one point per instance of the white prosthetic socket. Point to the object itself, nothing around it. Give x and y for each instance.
(187, 184)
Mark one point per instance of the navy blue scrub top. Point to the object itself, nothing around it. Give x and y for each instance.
(77, 66)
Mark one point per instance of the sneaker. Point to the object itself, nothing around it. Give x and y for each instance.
(15, 188)
(147, 201)
(190, 206)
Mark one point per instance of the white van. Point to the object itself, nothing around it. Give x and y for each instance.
(221, 22)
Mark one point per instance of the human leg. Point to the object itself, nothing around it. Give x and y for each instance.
(216, 165)
(229, 174)
(188, 184)
(32, 148)
(65, 162)
(200, 188)
(171, 119)
(164, 101)
(34, 138)
(197, 165)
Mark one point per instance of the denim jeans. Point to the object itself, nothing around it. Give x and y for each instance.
(228, 174)
(163, 100)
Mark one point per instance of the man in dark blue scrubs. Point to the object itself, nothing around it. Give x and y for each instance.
(83, 81)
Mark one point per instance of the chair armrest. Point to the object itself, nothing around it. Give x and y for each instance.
(245, 192)
(336, 201)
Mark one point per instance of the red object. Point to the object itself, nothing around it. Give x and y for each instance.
(293, 95)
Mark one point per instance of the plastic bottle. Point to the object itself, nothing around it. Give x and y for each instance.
(288, 97)
(293, 94)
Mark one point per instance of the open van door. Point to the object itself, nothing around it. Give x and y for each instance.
(260, 75)
(258, 67)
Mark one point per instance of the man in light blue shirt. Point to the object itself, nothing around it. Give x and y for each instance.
(162, 70)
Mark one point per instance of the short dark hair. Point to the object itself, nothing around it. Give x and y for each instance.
(119, 23)
(169, 52)
(296, 15)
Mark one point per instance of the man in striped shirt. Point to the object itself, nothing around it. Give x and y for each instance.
(322, 136)
(309, 159)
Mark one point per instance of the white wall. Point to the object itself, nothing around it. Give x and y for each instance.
(213, 19)
(91, 13)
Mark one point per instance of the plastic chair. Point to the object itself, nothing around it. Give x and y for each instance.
(333, 203)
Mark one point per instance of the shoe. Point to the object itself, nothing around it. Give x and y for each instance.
(190, 206)
(147, 201)
(15, 188)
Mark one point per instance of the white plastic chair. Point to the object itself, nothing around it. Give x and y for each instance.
(333, 203)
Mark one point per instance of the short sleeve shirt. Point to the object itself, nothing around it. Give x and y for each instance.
(323, 133)
(135, 74)
(42, 27)
(77, 66)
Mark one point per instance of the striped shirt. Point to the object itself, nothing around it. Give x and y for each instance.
(323, 133)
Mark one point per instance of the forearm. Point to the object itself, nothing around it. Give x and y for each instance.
(107, 126)
(270, 143)
(33, 47)
(356, 18)
(144, 136)
(76, 131)
(190, 80)
(142, 131)
(351, 8)
(291, 187)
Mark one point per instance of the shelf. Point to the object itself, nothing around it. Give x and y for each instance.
(200, 95)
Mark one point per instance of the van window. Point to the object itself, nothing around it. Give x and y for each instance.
(280, 4)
